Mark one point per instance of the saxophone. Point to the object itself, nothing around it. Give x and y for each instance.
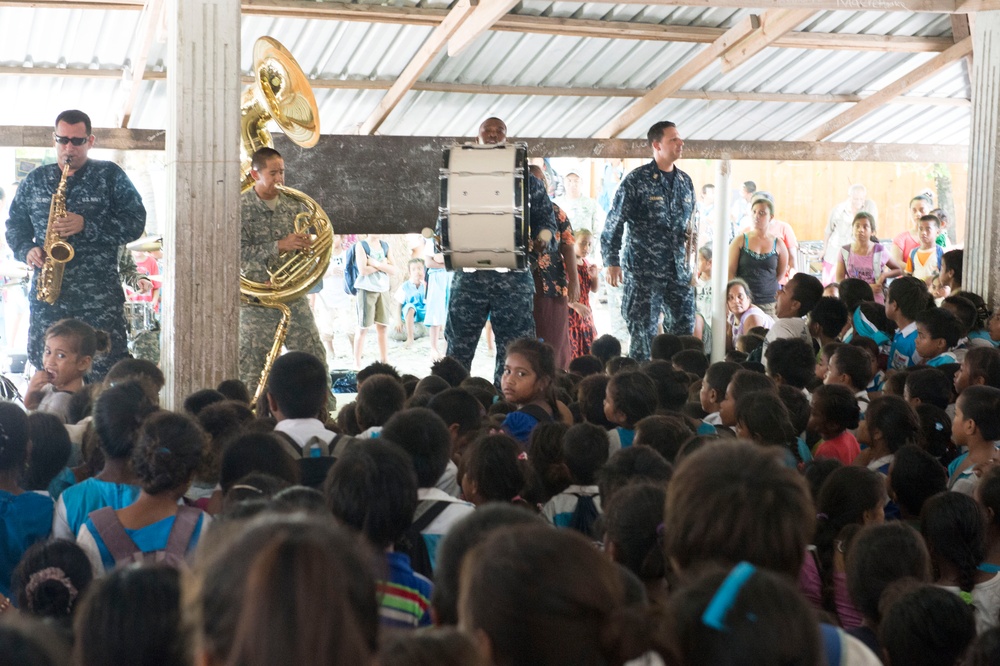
(57, 251)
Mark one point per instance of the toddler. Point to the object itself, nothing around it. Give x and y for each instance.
(70, 347)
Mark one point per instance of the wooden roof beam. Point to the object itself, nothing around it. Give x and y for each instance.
(142, 40)
(436, 41)
(485, 15)
(893, 90)
(773, 24)
(681, 76)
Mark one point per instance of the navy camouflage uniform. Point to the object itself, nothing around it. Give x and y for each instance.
(504, 297)
(113, 215)
(657, 276)
(144, 344)
(262, 228)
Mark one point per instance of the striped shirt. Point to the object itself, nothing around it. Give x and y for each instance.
(405, 598)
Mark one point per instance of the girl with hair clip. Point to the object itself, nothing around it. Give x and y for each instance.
(51, 580)
(850, 496)
(70, 347)
(534, 595)
(954, 528)
(168, 451)
(743, 616)
(493, 471)
(528, 375)
(25, 517)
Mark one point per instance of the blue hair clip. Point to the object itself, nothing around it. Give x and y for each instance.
(717, 609)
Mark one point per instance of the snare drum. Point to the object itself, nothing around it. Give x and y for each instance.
(140, 317)
(484, 207)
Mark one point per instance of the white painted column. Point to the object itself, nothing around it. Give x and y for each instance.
(982, 238)
(200, 341)
(720, 260)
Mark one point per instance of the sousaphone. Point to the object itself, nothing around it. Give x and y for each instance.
(281, 92)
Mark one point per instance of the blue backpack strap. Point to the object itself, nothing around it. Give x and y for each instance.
(830, 636)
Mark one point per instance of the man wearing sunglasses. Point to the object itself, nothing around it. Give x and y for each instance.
(103, 212)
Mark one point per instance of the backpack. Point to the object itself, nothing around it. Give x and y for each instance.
(584, 515)
(315, 459)
(124, 550)
(412, 542)
(351, 265)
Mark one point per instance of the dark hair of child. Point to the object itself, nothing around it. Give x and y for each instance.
(735, 356)
(636, 464)
(982, 405)
(224, 422)
(719, 375)
(671, 385)
(437, 646)
(984, 366)
(606, 347)
(942, 324)
(81, 404)
(664, 433)
(51, 579)
(378, 399)
(88, 341)
(830, 314)
(132, 616)
(691, 361)
(692, 342)
(734, 501)
(866, 343)
(817, 472)
(542, 359)
(914, 477)
(373, 489)
(935, 433)
(807, 290)
(925, 626)
(847, 497)
(792, 359)
(492, 469)
(664, 346)
(378, 368)
(910, 296)
(837, 405)
(300, 499)
(620, 364)
(875, 313)
(585, 447)
(632, 520)
(749, 342)
(964, 309)
(234, 389)
(26, 641)
(137, 369)
(117, 414)
(431, 385)
(989, 496)
(50, 450)
(546, 474)
(423, 435)
(854, 292)
(981, 308)
(590, 393)
(798, 407)
(168, 450)
(521, 588)
(586, 365)
(856, 362)
(200, 399)
(753, 366)
(953, 261)
(458, 406)
(461, 538)
(895, 383)
(954, 527)
(347, 419)
(870, 572)
(894, 420)
(635, 395)
(449, 369)
(256, 452)
(747, 381)
(332, 618)
(764, 416)
(299, 385)
(254, 487)
(985, 651)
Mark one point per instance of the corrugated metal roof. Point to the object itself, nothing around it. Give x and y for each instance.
(79, 39)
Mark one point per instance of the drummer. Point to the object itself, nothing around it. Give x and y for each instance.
(505, 297)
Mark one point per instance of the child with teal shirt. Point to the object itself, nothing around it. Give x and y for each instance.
(938, 332)
(630, 397)
(908, 297)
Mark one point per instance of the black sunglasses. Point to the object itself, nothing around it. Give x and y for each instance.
(75, 140)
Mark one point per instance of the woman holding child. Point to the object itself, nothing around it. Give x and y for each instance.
(759, 258)
(867, 259)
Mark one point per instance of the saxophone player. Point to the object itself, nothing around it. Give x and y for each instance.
(103, 212)
(268, 230)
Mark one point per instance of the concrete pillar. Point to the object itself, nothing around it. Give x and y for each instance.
(200, 345)
(981, 272)
(720, 260)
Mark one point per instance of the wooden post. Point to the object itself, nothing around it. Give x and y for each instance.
(200, 342)
(720, 260)
(982, 239)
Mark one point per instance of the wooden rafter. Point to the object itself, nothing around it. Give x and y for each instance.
(679, 77)
(898, 87)
(481, 21)
(142, 40)
(436, 41)
(774, 24)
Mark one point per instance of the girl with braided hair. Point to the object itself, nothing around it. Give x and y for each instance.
(954, 527)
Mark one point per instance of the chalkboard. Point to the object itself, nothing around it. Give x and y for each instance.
(370, 184)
